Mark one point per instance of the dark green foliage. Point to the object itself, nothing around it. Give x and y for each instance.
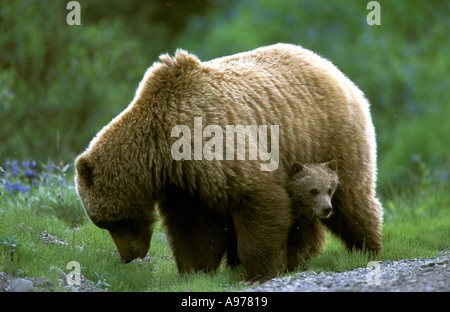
(60, 84)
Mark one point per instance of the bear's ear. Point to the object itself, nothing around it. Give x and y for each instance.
(296, 167)
(182, 59)
(332, 164)
(85, 169)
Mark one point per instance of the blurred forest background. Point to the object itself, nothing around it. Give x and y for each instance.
(60, 84)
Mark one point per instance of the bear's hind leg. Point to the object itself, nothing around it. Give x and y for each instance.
(357, 221)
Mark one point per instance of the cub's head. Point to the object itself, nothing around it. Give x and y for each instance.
(311, 187)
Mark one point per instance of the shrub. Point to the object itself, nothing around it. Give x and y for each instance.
(60, 83)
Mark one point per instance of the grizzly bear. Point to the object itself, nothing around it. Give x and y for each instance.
(310, 188)
(217, 194)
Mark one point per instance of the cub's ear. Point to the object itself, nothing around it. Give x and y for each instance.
(85, 169)
(332, 164)
(296, 167)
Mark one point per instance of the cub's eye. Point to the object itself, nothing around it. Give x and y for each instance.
(329, 191)
(314, 192)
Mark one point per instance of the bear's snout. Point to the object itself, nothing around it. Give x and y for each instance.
(131, 250)
(131, 245)
(124, 260)
(327, 211)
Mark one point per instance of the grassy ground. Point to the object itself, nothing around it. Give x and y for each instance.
(37, 199)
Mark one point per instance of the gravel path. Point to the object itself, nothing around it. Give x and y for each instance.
(409, 275)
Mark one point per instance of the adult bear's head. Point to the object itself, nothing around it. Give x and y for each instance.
(115, 180)
(128, 217)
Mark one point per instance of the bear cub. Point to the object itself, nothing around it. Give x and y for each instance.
(311, 188)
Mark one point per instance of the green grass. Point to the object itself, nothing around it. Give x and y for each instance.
(416, 224)
(98, 257)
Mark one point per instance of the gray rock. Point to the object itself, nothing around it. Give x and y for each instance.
(22, 285)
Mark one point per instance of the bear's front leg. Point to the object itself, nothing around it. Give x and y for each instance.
(196, 233)
(261, 221)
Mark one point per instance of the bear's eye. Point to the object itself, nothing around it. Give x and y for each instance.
(329, 191)
(314, 192)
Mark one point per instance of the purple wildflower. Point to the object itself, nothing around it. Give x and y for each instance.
(8, 187)
(30, 173)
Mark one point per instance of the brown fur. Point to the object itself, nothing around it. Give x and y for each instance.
(321, 114)
(311, 188)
